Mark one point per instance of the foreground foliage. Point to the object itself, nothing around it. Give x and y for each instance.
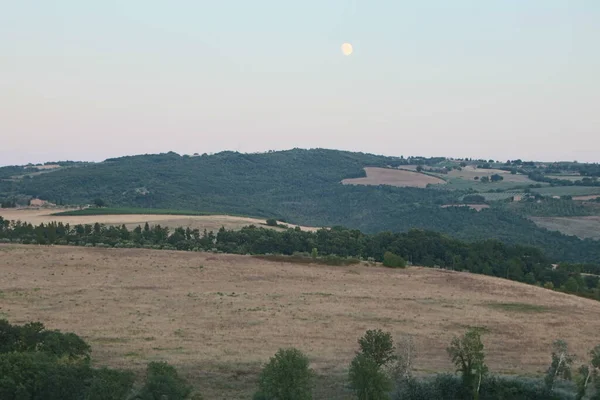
(450, 387)
(40, 364)
(467, 355)
(287, 376)
(368, 373)
(31, 370)
(163, 382)
(368, 380)
(374, 370)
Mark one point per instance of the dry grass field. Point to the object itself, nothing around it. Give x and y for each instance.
(572, 178)
(394, 177)
(469, 173)
(586, 198)
(47, 166)
(219, 317)
(208, 222)
(583, 227)
(476, 207)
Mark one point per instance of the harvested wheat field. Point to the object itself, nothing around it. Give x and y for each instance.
(470, 172)
(218, 317)
(208, 222)
(394, 177)
(586, 198)
(571, 178)
(476, 207)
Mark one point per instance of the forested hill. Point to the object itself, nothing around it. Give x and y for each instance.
(295, 184)
(299, 186)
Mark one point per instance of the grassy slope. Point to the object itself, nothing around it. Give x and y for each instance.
(219, 317)
(300, 186)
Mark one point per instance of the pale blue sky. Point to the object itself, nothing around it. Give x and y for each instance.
(465, 78)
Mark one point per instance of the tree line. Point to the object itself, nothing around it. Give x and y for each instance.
(418, 247)
(383, 371)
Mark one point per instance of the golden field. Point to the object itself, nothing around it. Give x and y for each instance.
(218, 317)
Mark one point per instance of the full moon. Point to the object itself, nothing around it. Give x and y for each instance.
(347, 49)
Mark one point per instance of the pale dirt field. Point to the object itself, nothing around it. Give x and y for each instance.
(394, 177)
(477, 207)
(469, 173)
(572, 178)
(48, 166)
(586, 198)
(583, 227)
(208, 222)
(218, 317)
(408, 167)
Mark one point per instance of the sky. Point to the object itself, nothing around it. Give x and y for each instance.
(88, 80)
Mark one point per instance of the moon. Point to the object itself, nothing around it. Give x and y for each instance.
(347, 49)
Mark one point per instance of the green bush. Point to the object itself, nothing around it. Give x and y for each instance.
(367, 379)
(449, 387)
(393, 261)
(34, 337)
(163, 382)
(40, 364)
(107, 384)
(287, 376)
(38, 376)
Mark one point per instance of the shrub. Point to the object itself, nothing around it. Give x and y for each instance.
(393, 261)
(549, 285)
(287, 376)
(35, 375)
(162, 381)
(449, 387)
(33, 337)
(314, 253)
(107, 384)
(271, 222)
(367, 379)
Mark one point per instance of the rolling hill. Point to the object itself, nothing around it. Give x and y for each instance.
(298, 186)
(218, 317)
(201, 222)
